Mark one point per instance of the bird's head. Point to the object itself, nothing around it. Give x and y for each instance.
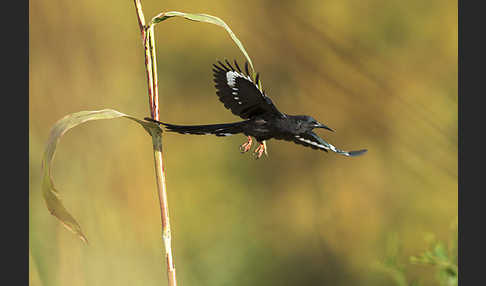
(309, 123)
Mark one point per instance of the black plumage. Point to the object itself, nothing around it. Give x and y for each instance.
(242, 95)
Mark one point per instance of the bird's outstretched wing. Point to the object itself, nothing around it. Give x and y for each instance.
(311, 139)
(240, 94)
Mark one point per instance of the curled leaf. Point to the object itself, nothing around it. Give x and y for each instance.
(49, 192)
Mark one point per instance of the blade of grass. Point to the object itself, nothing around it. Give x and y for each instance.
(206, 19)
(49, 192)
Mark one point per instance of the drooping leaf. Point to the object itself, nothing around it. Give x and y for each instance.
(49, 192)
(207, 19)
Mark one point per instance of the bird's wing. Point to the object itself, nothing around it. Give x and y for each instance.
(311, 139)
(240, 94)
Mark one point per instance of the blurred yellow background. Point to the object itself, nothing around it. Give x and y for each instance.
(382, 73)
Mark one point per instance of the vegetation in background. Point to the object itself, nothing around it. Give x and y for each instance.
(440, 257)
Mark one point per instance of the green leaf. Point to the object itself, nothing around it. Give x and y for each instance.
(49, 192)
(440, 251)
(207, 19)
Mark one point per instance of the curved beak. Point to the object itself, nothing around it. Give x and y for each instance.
(320, 125)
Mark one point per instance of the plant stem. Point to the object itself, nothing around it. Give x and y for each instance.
(151, 70)
(155, 84)
(164, 208)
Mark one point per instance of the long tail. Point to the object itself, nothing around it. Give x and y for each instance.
(226, 129)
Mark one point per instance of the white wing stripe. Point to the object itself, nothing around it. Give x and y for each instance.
(313, 143)
(330, 147)
(231, 79)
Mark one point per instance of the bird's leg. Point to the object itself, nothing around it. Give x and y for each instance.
(259, 150)
(246, 146)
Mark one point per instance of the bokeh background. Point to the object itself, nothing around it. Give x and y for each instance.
(382, 73)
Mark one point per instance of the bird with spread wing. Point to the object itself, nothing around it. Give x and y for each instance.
(243, 96)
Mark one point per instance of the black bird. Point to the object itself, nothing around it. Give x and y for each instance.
(243, 95)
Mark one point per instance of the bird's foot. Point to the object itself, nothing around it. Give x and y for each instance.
(246, 146)
(259, 151)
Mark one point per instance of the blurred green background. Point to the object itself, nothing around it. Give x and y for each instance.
(382, 73)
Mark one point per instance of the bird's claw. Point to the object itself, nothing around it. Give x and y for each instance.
(246, 146)
(259, 151)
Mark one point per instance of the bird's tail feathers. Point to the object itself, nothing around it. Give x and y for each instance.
(226, 129)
